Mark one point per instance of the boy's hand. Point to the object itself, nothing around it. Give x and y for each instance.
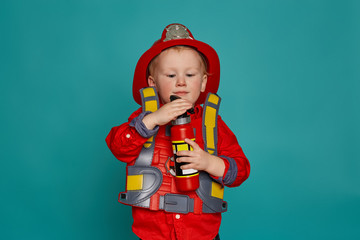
(200, 160)
(169, 111)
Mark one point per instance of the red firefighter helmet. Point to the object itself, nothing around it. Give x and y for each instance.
(173, 35)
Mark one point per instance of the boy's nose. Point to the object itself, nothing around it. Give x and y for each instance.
(181, 81)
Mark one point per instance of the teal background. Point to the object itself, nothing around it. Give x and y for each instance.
(290, 89)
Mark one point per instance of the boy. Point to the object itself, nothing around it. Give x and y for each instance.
(177, 64)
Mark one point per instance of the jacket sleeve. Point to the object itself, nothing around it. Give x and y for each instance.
(237, 167)
(126, 141)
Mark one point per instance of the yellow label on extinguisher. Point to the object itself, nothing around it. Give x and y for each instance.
(182, 146)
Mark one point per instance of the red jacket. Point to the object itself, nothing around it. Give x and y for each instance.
(125, 143)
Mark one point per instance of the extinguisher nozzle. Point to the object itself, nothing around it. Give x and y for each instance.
(174, 97)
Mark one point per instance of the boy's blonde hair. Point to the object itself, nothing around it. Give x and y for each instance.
(179, 48)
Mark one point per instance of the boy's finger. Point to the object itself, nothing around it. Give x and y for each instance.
(185, 153)
(193, 144)
(180, 101)
(183, 159)
(188, 166)
(182, 107)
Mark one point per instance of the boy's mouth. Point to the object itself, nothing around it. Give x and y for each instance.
(181, 93)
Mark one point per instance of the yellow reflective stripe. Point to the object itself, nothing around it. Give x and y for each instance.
(148, 92)
(188, 175)
(217, 190)
(148, 143)
(213, 99)
(151, 105)
(134, 182)
(210, 115)
(182, 141)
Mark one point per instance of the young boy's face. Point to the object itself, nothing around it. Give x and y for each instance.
(178, 72)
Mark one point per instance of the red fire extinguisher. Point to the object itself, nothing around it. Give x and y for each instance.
(187, 179)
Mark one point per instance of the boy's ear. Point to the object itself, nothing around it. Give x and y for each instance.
(203, 83)
(151, 81)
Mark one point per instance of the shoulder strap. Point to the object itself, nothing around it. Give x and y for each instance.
(211, 192)
(210, 113)
(150, 102)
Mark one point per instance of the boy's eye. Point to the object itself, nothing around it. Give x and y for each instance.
(190, 75)
(171, 75)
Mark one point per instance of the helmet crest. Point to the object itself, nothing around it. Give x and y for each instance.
(176, 31)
